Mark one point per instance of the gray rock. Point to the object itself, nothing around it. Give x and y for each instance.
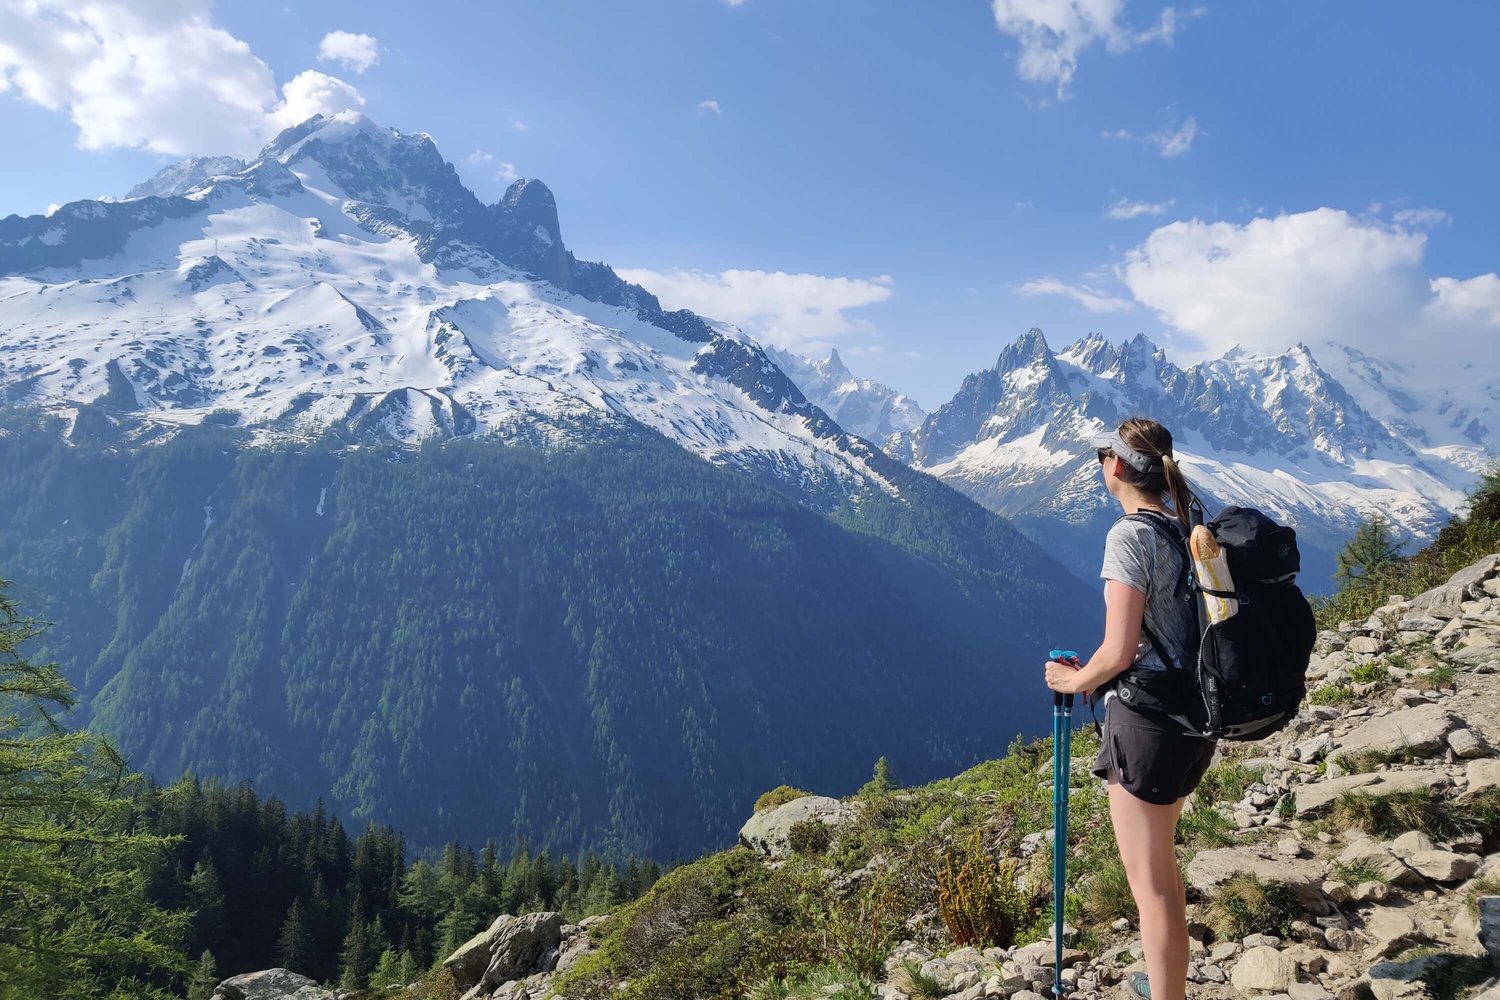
(1460, 585)
(1422, 729)
(1369, 852)
(1444, 866)
(1316, 796)
(510, 948)
(1310, 750)
(1370, 892)
(1210, 869)
(1364, 644)
(1410, 843)
(1489, 928)
(1466, 745)
(1264, 969)
(271, 984)
(1419, 623)
(1390, 929)
(767, 831)
(1482, 774)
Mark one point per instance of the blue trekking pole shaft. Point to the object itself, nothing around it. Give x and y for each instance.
(1062, 757)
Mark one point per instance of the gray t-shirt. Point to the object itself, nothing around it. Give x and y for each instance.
(1139, 555)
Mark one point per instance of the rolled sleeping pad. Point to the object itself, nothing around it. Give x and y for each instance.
(1211, 566)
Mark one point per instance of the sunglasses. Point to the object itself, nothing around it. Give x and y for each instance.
(1104, 454)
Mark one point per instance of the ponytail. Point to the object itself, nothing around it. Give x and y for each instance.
(1178, 488)
(1151, 439)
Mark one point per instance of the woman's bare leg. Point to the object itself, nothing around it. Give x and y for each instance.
(1145, 835)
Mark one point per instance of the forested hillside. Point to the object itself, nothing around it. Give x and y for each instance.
(611, 645)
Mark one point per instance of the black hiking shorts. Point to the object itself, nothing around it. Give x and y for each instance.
(1152, 757)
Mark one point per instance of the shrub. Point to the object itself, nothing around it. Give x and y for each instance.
(1106, 894)
(916, 984)
(977, 895)
(778, 796)
(809, 836)
(1372, 672)
(1244, 905)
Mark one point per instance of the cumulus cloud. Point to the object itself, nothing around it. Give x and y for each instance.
(1091, 299)
(800, 312)
(504, 172)
(1316, 276)
(1421, 218)
(157, 76)
(1052, 33)
(709, 108)
(1127, 209)
(356, 52)
(312, 93)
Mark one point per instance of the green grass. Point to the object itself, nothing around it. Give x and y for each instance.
(1245, 905)
(1489, 885)
(1422, 809)
(916, 984)
(1331, 694)
(1106, 894)
(1372, 758)
(1205, 826)
(1225, 782)
(1444, 675)
(1373, 672)
(828, 981)
(1355, 872)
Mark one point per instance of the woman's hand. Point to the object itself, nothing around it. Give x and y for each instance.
(1062, 677)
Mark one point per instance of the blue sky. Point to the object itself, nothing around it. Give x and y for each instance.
(914, 183)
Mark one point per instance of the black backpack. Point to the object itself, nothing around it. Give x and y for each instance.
(1251, 669)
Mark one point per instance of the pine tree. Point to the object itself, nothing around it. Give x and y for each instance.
(77, 921)
(881, 781)
(205, 898)
(294, 947)
(1373, 548)
(205, 978)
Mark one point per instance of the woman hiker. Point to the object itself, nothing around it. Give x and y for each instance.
(1151, 762)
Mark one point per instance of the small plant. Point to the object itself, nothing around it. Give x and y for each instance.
(1286, 807)
(917, 984)
(778, 796)
(1331, 694)
(1373, 672)
(1444, 675)
(977, 895)
(1398, 661)
(809, 837)
(1371, 758)
(1106, 894)
(1244, 905)
(1355, 872)
(1420, 809)
(1205, 826)
(1225, 782)
(1489, 885)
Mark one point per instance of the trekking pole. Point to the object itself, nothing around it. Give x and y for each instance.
(1062, 765)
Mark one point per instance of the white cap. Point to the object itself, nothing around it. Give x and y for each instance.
(1133, 458)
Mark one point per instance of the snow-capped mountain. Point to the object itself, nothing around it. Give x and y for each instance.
(862, 406)
(347, 279)
(1277, 432)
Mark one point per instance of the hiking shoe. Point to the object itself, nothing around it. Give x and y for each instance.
(1139, 985)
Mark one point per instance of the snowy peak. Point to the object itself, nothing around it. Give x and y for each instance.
(862, 406)
(181, 177)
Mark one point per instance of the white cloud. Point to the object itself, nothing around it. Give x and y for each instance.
(158, 76)
(506, 173)
(1316, 276)
(800, 312)
(312, 93)
(479, 157)
(1053, 33)
(520, 126)
(709, 107)
(53, 208)
(1175, 142)
(356, 52)
(1172, 141)
(1090, 299)
(734, 3)
(1422, 218)
(1127, 209)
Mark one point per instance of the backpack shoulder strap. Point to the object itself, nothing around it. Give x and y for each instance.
(1173, 534)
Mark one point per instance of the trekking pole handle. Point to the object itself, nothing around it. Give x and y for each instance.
(1069, 657)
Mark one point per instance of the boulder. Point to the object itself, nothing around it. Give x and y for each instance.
(1212, 868)
(1460, 585)
(1370, 852)
(271, 984)
(1391, 930)
(1422, 728)
(1410, 843)
(510, 948)
(1315, 796)
(1482, 774)
(1466, 745)
(1263, 969)
(1364, 644)
(768, 831)
(1444, 866)
(1489, 928)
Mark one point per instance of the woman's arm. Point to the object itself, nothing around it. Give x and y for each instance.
(1124, 609)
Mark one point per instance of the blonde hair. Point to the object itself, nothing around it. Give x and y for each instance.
(1154, 441)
